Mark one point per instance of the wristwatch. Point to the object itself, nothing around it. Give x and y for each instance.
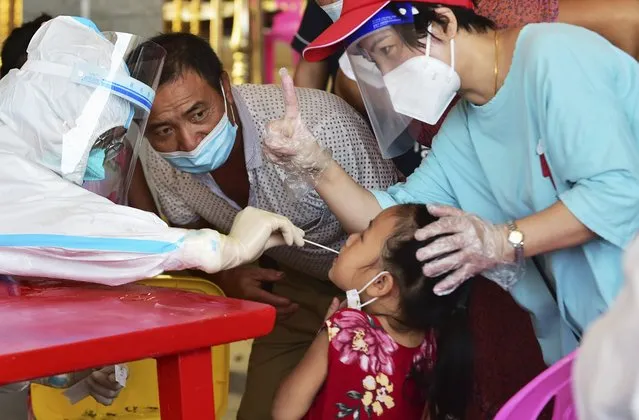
(516, 239)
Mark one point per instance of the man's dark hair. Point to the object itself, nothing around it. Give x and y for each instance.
(14, 49)
(187, 52)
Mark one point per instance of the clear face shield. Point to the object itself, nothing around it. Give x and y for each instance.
(118, 147)
(102, 86)
(398, 77)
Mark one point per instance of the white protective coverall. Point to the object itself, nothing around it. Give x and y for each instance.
(606, 373)
(49, 225)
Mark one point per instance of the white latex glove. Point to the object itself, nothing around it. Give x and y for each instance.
(253, 232)
(471, 246)
(290, 144)
(606, 375)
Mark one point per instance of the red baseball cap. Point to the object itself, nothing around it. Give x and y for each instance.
(356, 13)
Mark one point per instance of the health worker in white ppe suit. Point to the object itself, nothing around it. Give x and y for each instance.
(606, 372)
(73, 116)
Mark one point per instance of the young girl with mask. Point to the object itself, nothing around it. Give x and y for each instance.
(397, 351)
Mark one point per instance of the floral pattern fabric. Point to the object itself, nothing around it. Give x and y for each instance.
(368, 372)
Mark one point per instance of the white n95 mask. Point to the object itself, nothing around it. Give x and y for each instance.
(212, 152)
(423, 86)
(352, 296)
(333, 10)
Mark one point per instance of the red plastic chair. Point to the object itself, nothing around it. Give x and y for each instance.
(285, 25)
(555, 382)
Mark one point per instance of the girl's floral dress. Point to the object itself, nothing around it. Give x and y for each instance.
(368, 372)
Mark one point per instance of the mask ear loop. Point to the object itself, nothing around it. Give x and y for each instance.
(373, 280)
(226, 108)
(452, 51)
(428, 40)
(452, 58)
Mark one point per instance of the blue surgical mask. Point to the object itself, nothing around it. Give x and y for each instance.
(95, 165)
(212, 152)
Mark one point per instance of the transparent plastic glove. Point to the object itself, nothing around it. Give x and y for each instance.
(290, 145)
(253, 232)
(472, 246)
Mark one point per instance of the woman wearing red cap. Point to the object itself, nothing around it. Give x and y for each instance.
(621, 27)
(537, 168)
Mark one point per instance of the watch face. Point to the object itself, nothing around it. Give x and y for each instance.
(516, 237)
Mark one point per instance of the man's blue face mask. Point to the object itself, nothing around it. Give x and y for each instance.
(212, 152)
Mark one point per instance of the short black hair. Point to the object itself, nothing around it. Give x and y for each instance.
(188, 52)
(14, 49)
(467, 20)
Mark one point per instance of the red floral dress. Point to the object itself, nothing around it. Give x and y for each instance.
(368, 372)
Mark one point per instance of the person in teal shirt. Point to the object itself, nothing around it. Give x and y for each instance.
(534, 174)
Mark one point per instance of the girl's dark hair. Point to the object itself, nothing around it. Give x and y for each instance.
(448, 386)
(467, 20)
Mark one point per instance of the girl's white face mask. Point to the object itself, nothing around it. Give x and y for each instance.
(422, 87)
(352, 296)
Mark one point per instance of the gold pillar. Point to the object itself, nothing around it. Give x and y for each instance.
(246, 41)
(4, 19)
(17, 13)
(10, 17)
(176, 24)
(256, 34)
(194, 21)
(216, 26)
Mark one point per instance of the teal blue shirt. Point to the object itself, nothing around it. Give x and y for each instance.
(573, 98)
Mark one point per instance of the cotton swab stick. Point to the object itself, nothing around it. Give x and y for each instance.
(320, 246)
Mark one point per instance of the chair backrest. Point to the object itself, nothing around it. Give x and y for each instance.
(530, 401)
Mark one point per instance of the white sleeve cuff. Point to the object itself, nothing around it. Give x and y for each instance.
(202, 250)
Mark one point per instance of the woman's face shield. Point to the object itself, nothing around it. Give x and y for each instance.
(371, 57)
(114, 154)
(400, 78)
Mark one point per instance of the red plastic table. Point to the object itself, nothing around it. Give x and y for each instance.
(52, 327)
